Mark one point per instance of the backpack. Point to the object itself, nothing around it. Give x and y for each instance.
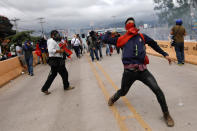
(134, 51)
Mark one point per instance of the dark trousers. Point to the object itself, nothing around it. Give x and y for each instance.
(179, 48)
(77, 51)
(129, 77)
(118, 50)
(81, 49)
(53, 73)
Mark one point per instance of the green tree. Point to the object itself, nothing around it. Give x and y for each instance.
(170, 10)
(22, 37)
(5, 28)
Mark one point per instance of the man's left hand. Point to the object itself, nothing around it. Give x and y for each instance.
(169, 59)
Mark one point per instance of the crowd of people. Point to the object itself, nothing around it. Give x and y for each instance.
(134, 58)
(56, 49)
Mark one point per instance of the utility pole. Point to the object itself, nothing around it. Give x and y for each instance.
(15, 20)
(192, 16)
(41, 23)
(114, 17)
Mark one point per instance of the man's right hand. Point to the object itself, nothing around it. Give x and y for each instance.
(60, 51)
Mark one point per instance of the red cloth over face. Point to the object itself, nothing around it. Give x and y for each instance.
(131, 31)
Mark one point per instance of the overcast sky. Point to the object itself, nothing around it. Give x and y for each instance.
(65, 13)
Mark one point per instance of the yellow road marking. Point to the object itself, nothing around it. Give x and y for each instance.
(125, 100)
(120, 121)
(127, 117)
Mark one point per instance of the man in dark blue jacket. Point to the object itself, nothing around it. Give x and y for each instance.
(134, 59)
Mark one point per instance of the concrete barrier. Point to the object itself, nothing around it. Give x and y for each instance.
(190, 51)
(11, 68)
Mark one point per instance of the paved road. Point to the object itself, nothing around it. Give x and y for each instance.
(24, 108)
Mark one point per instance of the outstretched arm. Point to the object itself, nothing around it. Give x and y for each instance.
(153, 44)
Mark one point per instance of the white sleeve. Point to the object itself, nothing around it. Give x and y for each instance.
(78, 41)
(72, 41)
(51, 46)
(17, 48)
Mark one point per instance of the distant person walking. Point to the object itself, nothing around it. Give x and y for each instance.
(76, 45)
(81, 44)
(44, 51)
(27, 48)
(178, 32)
(56, 62)
(93, 45)
(84, 43)
(19, 52)
(99, 45)
(38, 53)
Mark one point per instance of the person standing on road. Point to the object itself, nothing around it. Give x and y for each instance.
(38, 53)
(76, 45)
(81, 45)
(134, 60)
(178, 32)
(84, 43)
(19, 52)
(56, 62)
(44, 51)
(27, 48)
(99, 45)
(92, 45)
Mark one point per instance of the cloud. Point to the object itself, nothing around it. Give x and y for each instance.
(74, 12)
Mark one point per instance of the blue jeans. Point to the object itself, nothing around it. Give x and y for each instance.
(107, 49)
(38, 59)
(100, 50)
(29, 62)
(179, 48)
(92, 52)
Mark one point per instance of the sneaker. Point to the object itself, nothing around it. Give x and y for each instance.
(69, 88)
(46, 92)
(168, 119)
(179, 64)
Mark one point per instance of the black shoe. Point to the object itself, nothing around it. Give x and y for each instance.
(46, 92)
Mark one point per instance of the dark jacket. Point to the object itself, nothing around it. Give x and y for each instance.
(28, 51)
(127, 58)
